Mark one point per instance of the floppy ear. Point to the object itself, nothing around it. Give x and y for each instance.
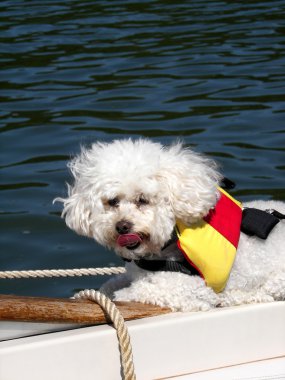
(78, 206)
(77, 211)
(191, 180)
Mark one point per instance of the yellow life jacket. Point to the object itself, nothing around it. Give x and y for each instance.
(210, 246)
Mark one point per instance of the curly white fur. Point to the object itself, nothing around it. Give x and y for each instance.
(150, 186)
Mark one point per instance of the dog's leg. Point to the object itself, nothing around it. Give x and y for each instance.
(177, 291)
(115, 283)
(272, 289)
(238, 297)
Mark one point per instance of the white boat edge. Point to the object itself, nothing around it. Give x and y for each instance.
(166, 346)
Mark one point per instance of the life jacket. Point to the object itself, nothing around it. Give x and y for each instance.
(210, 245)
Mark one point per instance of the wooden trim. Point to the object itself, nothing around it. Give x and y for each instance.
(61, 310)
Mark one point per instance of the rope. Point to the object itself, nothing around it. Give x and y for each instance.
(122, 332)
(107, 305)
(61, 272)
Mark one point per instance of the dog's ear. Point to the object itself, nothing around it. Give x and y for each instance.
(77, 211)
(78, 206)
(191, 181)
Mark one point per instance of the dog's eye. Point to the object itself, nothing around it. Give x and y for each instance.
(114, 202)
(142, 201)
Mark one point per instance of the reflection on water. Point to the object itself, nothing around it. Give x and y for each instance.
(212, 73)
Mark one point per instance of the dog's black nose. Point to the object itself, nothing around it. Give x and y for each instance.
(123, 226)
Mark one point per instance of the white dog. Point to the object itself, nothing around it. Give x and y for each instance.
(129, 196)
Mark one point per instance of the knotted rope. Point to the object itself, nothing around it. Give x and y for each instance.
(61, 272)
(118, 321)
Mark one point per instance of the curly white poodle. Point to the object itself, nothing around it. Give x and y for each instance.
(140, 198)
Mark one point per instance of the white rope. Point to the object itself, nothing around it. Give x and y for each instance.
(122, 332)
(107, 305)
(61, 272)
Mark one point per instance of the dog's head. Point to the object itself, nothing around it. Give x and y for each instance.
(128, 194)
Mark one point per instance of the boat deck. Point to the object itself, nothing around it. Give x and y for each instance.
(176, 345)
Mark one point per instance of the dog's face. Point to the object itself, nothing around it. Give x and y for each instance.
(128, 194)
(134, 219)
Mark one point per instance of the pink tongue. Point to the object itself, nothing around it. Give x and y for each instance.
(128, 239)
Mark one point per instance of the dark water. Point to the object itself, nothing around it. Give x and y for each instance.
(211, 72)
